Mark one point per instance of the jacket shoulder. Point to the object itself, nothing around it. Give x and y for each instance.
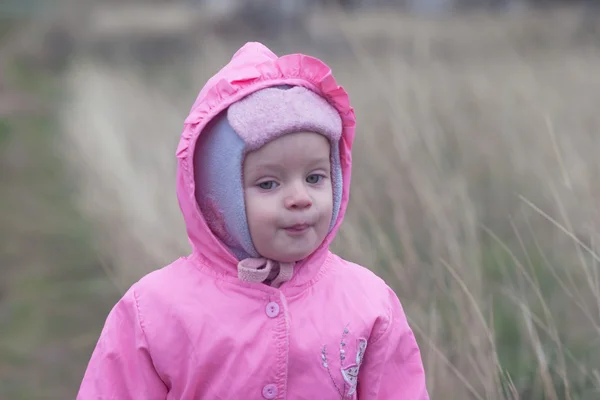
(356, 272)
(360, 280)
(161, 277)
(163, 286)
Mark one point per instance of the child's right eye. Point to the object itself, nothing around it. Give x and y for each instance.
(267, 185)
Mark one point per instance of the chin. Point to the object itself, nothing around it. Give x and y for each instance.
(293, 256)
(290, 258)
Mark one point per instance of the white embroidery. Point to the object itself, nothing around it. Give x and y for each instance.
(349, 372)
(362, 347)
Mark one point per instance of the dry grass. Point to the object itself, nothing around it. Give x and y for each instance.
(475, 186)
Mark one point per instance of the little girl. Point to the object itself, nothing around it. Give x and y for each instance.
(261, 308)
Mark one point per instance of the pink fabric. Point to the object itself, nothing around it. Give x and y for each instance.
(194, 330)
(263, 270)
(270, 113)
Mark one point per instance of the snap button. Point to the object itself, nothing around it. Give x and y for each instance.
(272, 309)
(270, 391)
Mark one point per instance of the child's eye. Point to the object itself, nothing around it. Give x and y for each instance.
(314, 179)
(268, 185)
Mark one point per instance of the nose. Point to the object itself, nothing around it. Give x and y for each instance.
(298, 198)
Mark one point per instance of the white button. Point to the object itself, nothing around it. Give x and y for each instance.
(272, 309)
(270, 391)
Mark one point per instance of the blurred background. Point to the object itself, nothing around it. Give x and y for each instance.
(476, 184)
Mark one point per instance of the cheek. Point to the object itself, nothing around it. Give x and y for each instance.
(326, 206)
(327, 215)
(258, 212)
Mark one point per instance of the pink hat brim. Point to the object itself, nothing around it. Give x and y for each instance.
(269, 113)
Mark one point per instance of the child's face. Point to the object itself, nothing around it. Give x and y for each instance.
(288, 194)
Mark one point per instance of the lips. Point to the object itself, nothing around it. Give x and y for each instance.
(297, 228)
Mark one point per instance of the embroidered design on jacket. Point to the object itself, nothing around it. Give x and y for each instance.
(349, 372)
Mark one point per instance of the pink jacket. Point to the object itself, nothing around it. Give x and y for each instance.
(193, 330)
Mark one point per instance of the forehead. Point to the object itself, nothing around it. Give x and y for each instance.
(301, 147)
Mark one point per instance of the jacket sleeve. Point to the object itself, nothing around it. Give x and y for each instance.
(392, 366)
(121, 366)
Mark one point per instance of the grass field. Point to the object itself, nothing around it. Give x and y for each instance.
(475, 195)
(52, 289)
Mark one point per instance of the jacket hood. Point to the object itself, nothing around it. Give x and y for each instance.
(254, 67)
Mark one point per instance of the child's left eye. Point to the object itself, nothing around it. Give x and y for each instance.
(313, 179)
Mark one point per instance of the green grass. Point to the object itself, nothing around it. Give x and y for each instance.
(52, 290)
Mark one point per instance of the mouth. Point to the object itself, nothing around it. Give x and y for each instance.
(297, 228)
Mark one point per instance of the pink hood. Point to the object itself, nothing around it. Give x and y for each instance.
(252, 68)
